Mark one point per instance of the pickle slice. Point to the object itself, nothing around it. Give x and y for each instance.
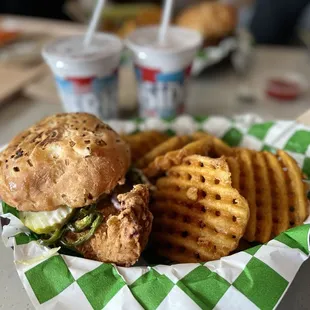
(44, 222)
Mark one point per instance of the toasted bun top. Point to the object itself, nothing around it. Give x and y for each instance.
(65, 159)
(212, 19)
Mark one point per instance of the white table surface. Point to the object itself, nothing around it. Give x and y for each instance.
(213, 92)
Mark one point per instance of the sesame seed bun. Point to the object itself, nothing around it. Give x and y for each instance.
(66, 159)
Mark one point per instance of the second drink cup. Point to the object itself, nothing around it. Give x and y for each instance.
(162, 69)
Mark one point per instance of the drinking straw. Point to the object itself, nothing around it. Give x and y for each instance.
(165, 21)
(94, 22)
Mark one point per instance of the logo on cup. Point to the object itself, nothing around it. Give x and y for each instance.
(81, 85)
(161, 94)
(93, 95)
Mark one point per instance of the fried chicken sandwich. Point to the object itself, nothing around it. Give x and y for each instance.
(65, 175)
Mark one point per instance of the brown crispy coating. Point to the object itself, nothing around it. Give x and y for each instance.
(198, 216)
(65, 159)
(123, 235)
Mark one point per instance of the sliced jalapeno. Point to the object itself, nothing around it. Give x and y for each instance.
(80, 225)
(95, 224)
(57, 234)
(86, 211)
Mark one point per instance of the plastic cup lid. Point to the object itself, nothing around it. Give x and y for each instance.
(71, 48)
(179, 39)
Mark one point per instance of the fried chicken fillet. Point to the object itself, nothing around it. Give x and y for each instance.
(124, 233)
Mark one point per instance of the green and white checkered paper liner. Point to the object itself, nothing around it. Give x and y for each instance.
(253, 279)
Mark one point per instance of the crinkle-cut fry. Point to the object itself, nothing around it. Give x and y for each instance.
(143, 142)
(181, 252)
(234, 168)
(198, 216)
(218, 147)
(207, 233)
(204, 144)
(172, 158)
(247, 189)
(297, 199)
(197, 135)
(174, 207)
(279, 194)
(274, 188)
(171, 144)
(263, 198)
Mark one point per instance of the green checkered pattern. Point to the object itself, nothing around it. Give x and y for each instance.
(253, 279)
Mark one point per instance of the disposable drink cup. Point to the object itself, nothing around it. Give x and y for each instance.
(162, 69)
(86, 77)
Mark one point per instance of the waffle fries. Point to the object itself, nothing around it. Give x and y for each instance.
(234, 168)
(198, 216)
(161, 149)
(295, 189)
(247, 189)
(273, 187)
(203, 144)
(263, 198)
(278, 193)
(209, 196)
(143, 142)
(172, 158)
